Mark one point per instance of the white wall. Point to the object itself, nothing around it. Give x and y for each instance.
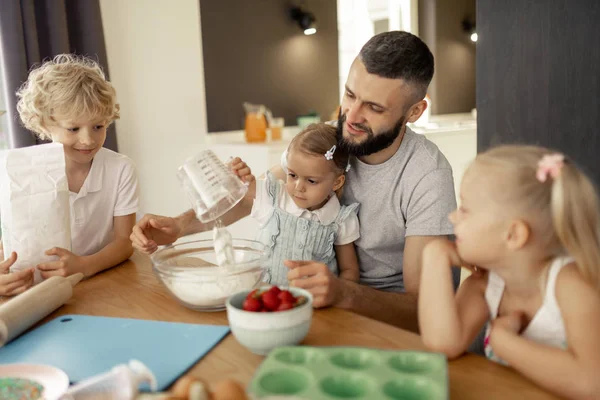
(154, 52)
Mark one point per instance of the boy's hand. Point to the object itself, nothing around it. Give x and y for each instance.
(67, 264)
(153, 231)
(242, 170)
(14, 283)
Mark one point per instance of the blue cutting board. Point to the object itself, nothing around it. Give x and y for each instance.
(84, 346)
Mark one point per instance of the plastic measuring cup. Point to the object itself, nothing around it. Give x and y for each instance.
(211, 187)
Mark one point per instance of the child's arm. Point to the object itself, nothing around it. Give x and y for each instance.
(347, 262)
(116, 251)
(571, 373)
(154, 230)
(14, 283)
(448, 324)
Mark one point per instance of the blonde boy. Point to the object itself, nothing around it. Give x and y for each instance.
(68, 100)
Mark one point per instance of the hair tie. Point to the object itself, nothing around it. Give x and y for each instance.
(550, 165)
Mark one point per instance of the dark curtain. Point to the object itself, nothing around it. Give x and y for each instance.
(34, 30)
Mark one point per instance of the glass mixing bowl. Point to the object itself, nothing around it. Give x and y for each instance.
(190, 272)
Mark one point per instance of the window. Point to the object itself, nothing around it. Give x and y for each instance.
(359, 20)
(3, 116)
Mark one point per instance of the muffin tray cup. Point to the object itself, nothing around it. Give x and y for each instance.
(304, 372)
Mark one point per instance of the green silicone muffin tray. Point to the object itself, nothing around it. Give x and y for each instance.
(304, 372)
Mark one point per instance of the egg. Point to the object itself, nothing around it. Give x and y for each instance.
(185, 385)
(198, 391)
(182, 386)
(156, 396)
(229, 389)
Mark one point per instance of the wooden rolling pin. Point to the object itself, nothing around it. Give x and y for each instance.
(20, 313)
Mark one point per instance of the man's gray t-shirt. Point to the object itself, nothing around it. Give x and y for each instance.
(411, 194)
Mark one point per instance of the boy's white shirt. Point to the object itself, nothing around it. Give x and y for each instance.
(110, 190)
(348, 230)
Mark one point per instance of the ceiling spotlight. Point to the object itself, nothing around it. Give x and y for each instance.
(305, 20)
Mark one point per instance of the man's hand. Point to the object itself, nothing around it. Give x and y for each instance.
(14, 283)
(317, 279)
(154, 230)
(66, 265)
(242, 170)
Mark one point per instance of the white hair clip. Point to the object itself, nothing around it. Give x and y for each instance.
(329, 154)
(348, 167)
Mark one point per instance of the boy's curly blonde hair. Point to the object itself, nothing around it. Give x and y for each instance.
(68, 86)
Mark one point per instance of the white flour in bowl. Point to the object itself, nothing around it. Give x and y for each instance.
(207, 282)
(199, 290)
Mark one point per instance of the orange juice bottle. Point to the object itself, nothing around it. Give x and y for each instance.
(256, 127)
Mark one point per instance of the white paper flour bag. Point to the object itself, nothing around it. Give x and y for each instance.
(34, 204)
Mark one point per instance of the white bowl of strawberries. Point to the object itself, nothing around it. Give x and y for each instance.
(266, 318)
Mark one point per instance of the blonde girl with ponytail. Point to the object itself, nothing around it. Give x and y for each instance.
(529, 221)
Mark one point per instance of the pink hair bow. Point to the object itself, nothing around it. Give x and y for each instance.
(550, 165)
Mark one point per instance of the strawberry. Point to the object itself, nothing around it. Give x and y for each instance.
(300, 300)
(252, 304)
(285, 306)
(286, 297)
(270, 300)
(275, 290)
(253, 294)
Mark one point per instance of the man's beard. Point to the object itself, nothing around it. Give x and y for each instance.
(373, 143)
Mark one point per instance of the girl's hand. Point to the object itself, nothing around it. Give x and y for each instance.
(444, 249)
(14, 283)
(67, 264)
(475, 271)
(512, 323)
(504, 329)
(317, 279)
(242, 170)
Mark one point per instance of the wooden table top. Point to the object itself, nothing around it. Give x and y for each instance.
(132, 291)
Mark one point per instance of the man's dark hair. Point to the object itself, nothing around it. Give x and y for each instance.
(399, 55)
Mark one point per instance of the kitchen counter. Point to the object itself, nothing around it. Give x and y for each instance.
(454, 134)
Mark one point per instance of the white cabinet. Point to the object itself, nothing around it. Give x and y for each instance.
(460, 148)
